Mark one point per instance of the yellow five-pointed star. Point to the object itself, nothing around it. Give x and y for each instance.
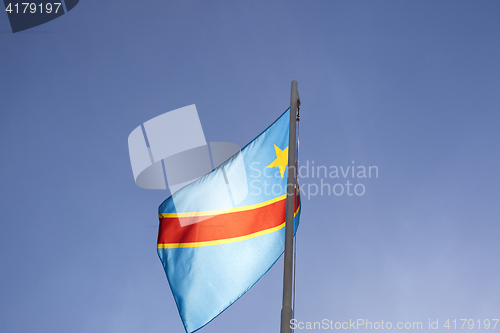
(281, 160)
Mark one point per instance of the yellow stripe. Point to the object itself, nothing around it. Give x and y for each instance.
(222, 211)
(224, 241)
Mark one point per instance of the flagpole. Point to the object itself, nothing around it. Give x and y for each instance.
(286, 310)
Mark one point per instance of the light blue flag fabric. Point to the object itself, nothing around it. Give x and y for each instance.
(219, 235)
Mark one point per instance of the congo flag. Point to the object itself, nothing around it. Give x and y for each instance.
(220, 234)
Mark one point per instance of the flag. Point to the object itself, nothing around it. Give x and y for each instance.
(219, 235)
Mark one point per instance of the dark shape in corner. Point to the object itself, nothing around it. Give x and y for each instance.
(70, 4)
(21, 18)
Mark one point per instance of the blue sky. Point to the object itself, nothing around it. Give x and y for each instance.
(411, 87)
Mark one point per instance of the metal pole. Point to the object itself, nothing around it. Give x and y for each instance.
(286, 310)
